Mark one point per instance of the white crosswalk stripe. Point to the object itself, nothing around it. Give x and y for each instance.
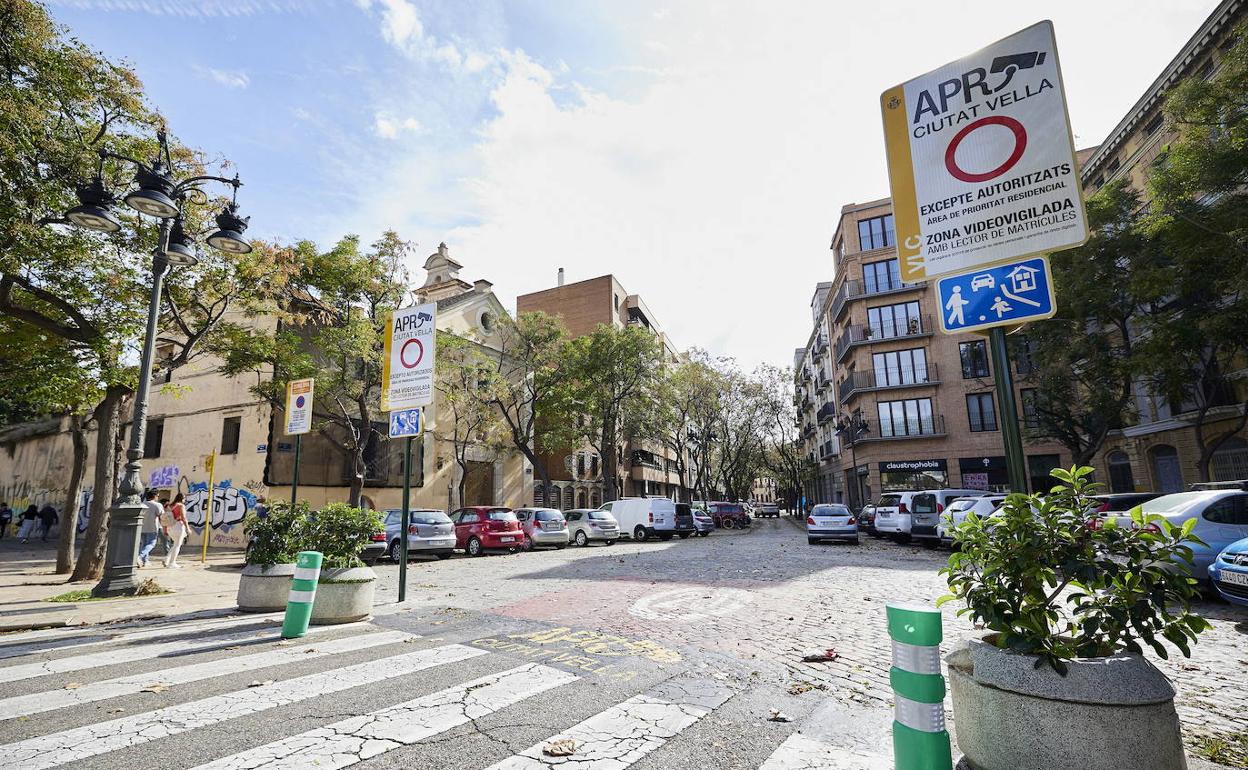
(354, 740)
(55, 749)
(136, 653)
(616, 738)
(39, 702)
(799, 752)
(75, 633)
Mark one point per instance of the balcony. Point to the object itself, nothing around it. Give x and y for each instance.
(864, 334)
(921, 427)
(886, 379)
(826, 412)
(855, 289)
(827, 450)
(821, 344)
(824, 381)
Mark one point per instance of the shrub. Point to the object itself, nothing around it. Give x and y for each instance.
(339, 532)
(1048, 584)
(273, 539)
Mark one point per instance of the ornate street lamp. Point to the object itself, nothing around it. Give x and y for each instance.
(160, 195)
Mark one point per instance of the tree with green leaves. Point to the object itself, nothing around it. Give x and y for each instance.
(465, 414)
(332, 328)
(782, 450)
(682, 394)
(606, 395)
(1194, 341)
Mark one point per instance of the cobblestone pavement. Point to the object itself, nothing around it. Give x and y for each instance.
(767, 597)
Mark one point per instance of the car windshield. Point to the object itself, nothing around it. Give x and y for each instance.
(430, 517)
(548, 516)
(830, 510)
(889, 501)
(502, 515)
(1175, 502)
(963, 504)
(600, 516)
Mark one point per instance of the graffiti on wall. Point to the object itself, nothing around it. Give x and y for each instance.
(164, 476)
(230, 505)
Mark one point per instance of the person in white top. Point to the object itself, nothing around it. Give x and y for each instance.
(151, 526)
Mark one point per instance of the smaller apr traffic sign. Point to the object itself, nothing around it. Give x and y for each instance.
(405, 423)
(1005, 295)
(299, 406)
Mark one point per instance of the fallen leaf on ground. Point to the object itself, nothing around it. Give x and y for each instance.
(117, 711)
(564, 747)
(797, 688)
(822, 656)
(155, 687)
(779, 716)
(285, 642)
(73, 685)
(259, 683)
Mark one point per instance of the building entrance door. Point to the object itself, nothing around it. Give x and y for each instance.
(479, 486)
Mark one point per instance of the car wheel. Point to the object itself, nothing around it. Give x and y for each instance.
(639, 534)
(443, 555)
(684, 535)
(581, 539)
(812, 540)
(474, 547)
(705, 534)
(728, 524)
(527, 545)
(393, 552)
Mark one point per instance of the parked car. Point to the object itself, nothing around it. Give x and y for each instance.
(866, 520)
(894, 511)
(481, 528)
(1229, 572)
(959, 509)
(928, 509)
(1119, 505)
(644, 517)
(1221, 519)
(729, 515)
(374, 549)
(586, 525)
(429, 532)
(543, 526)
(831, 521)
(768, 509)
(702, 522)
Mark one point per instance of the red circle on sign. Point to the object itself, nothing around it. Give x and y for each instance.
(420, 353)
(1020, 144)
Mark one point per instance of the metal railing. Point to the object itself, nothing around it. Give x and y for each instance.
(918, 427)
(826, 412)
(884, 379)
(859, 334)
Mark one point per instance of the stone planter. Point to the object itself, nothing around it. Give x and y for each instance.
(1114, 713)
(264, 588)
(344, 596)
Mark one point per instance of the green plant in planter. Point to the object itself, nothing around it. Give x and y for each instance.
(1048, 584)
(273, 539)
(340, 532)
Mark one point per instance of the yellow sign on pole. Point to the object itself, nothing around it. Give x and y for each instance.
(211, 464)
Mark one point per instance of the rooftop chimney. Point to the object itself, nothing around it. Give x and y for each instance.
(560, 283)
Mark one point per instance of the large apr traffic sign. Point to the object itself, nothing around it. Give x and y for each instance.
(1004, 295)
(981, 160)
(407, 361)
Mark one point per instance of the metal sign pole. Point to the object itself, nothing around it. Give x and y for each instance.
(207, 507)
(294, 487)
(1015, 462)
(407, 517)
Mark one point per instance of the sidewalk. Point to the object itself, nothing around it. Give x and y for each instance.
(27, 578)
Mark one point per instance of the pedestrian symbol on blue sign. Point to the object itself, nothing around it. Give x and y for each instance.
(405, 422)
(1005, 295)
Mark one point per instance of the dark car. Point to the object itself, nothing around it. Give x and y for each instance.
(482, 528)
(729, 515)
(866, 520)
(1119, 505)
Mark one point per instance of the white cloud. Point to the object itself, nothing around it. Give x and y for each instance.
(230, 78)
(400, 24)
(388, 127)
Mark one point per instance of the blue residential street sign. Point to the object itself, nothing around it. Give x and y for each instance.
(1005, 295)
(405, 422)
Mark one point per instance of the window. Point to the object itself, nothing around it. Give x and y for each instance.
(469, 517)
(1229, 510)
(230, 431)
(154, 437)
(1206, 69)
(1113, 166)
(893, 320)
(572, 515)
(911, 417)
(983, 415)
(974, 359)
(900, 367)
(876, 233)
(1031, 417)
(1152, 126)
(1121, 479)
(881, 276)
(1230, 460)
(1024, 363)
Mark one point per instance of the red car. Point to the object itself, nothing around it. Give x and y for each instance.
(481, 528)
(729, 515)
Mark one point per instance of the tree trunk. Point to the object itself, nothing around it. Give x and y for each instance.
(108, 462)
(462, 483)
(69, 512)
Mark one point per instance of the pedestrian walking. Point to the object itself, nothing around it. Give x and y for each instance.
(152, 510)
(177, 531)
(47, 520)
(162, 527)
(27, 527)
(6, 517)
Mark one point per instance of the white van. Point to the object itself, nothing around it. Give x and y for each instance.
(895, 511)
(644, 517)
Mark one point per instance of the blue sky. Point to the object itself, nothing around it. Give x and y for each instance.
(701, 151)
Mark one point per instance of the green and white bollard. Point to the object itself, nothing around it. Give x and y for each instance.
(302, 594)
(920, 741)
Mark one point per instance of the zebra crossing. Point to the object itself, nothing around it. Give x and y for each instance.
(187, 660)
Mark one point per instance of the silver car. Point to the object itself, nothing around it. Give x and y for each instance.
(543, 526)
(586, 525)
(429, 532)
(831, 522)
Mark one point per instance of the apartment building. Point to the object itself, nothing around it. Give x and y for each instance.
(1159, 451)
(885, 400)
(647, 469)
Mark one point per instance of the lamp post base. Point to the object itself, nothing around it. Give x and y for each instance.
(124, 522)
